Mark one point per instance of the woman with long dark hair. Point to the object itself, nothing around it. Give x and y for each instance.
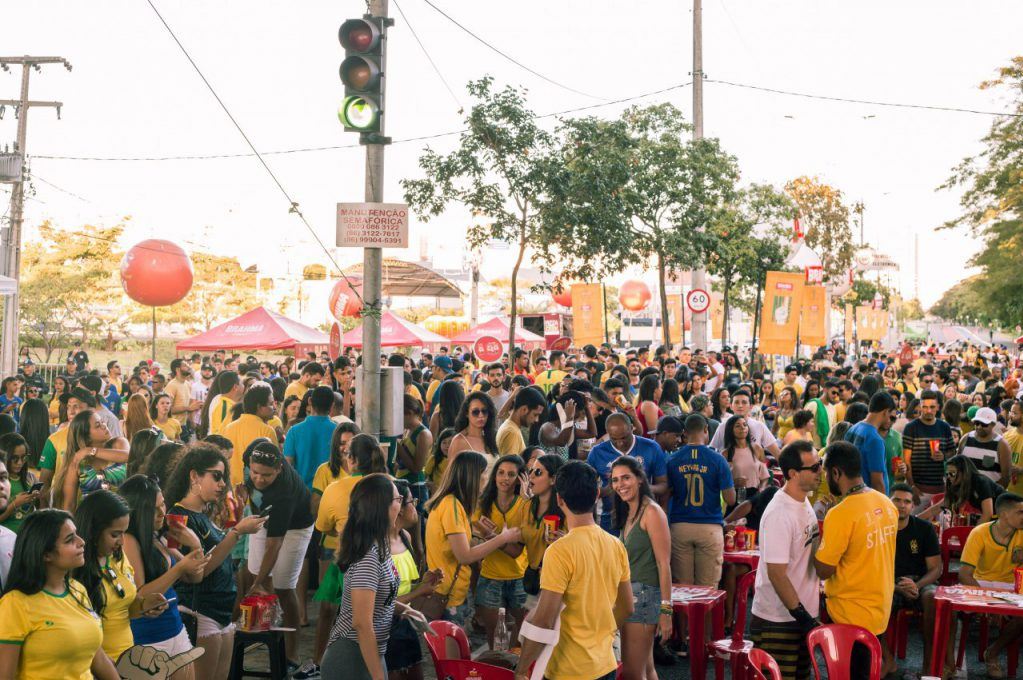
(48, 628)
(968, 494)
(566, 420)
(359, 637)
(143, 443)
(536, 535)
(438, 461)
(449, 531)
(447, 405)
(102, 521)
(157, 567)
(647, 410)
(788, 404)
(671, 401)
(61, 385)
(21, 500)
(643, 528)
(160, 463)
(34, 426)
(476, 425)
(721, 402)
(745, 458)
(500, 581)
(220, 399)
(84, 469)
(198, 482)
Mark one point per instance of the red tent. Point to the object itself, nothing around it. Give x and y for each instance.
(259, 329)
(498, 328)
(396, 332)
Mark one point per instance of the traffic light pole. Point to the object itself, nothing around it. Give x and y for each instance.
(372, 267)
(12, 244)
(699, 319)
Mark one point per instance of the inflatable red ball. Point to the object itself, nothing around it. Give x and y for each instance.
(343, 300)
(156, 273)
(564, 298)
(634, 295)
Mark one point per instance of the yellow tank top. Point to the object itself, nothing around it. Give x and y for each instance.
(407, 571)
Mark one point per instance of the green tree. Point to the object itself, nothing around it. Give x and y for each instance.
(740, 252)
(498, 172)
(636, 190)
(825, 221)
(912, 310)
(993, 211)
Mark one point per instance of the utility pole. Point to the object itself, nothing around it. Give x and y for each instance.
(700, 274)
(12, 239)
(372, 263)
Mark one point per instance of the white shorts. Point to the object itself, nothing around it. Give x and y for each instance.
(288, 566)
(207, 627)
(179, 644)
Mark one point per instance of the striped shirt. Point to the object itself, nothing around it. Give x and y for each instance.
(984, 455)
(919, 438)
(369, 573)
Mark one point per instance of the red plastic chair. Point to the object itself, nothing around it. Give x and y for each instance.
(836, 641)
(898, 631)
(952, 541)
(461, 669)
(437, 642)
(737, 647)
(757, 660)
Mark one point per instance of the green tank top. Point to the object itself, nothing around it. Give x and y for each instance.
(642, 563)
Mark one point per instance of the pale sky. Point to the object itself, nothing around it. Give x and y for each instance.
(132, 93)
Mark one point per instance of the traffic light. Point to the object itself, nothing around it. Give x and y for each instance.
(362, 73)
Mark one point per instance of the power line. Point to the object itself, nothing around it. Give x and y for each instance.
(293, 203)
(428, 57)
(34, 177)
(407, 140)
(509, 57)
(849, 100)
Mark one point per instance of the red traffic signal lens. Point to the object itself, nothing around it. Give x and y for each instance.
(359, 35)
(360, 38)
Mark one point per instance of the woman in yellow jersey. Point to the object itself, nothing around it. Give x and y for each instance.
(60, 386)
(449, 532)
(220, 399)
(500, 581)
(788, 404)
(48, 628)
(363, 457)
(159, 411)
(536, 536)
(438, 461)
(404, 653)
(109, 580)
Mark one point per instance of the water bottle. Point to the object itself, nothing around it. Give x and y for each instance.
(501, 632)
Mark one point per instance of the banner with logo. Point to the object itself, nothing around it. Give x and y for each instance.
(779, 323)
(871, 324)
(587, 314)
(717, 316)
(813, 322)
(675, 312)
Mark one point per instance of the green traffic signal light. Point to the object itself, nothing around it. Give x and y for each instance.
(359, 113)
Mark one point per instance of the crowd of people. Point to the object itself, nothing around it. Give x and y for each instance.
(547, 501)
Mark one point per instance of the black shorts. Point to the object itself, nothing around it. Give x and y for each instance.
(403, 650)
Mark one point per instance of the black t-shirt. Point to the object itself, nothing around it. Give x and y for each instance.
(81, 359)
(214, 595)
(758, 504)
(289, 497)
(982, 489)
(913, 545)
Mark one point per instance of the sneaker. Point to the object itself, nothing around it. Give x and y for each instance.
(308, 671)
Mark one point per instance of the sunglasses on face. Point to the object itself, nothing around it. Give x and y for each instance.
(816, 467)
(951, 474)
(537, 472)
(217, 475)
(479, 412)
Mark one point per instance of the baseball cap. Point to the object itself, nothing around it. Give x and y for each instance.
(985, 416)
(443, 362)
(669, 424)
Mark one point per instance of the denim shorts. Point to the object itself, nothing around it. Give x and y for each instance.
(647, 602)
(458, 615)
(327, 555)
(496, 594)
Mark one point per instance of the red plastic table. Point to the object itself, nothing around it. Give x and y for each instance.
(751, 558)
(695, 602)
(951, 599)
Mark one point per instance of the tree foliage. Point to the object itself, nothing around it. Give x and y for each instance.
(993, 211)
(499, 172)
(825, 221)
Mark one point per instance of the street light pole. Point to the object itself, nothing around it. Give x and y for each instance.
(699, 319)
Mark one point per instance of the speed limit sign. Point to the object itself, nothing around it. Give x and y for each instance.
(698, 300)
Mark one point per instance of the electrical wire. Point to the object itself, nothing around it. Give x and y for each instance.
(870, 102)
(34, 176)
(292, 202)
(428, 57)
(509, 57)
(421, 138)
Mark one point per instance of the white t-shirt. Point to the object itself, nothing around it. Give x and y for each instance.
(7, 538)
(788, 535)
(198, 393)
(758, 433)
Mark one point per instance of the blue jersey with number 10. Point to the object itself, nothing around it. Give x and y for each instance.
(697, 475)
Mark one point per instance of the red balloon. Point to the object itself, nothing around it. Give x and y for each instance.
(343, 300)
(634, 295)
(564, 298)
(156, 273)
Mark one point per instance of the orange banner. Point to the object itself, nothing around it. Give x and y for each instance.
(813, 322)
(587, 314)
(871, 324)
(850, 324)
(717, 316)
(674, 316)
(779, 322)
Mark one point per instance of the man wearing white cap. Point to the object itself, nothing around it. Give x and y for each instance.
(988, 451)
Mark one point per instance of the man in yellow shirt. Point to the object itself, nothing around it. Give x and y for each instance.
(527, 408)
(441, 370)
(1014, 438)
(554, 374)
(587, 571)
(258, 404)
(312, 374)
(791, 373)
(856, 557)
(991, 555)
